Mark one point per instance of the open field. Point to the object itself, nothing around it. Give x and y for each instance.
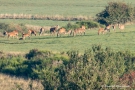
(124, 40)
(51, 7)
(100, 68)
(36, 22)
(116, 40)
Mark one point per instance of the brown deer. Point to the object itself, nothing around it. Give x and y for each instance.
(32, 32)
(61, 31)
(79, 31)
(24, 35)
(11, 34)
(121, 26)
(101, 30)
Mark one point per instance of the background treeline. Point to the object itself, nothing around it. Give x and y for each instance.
(96, 68)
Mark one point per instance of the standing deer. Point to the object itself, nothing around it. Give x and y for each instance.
(41, 31)
(121, 26)
(61, 31)
(101, 30)
(79, 31)
(54, 29)
(32, 32)
(11, 34)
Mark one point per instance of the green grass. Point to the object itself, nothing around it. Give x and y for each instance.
(116, 40)
(35, 22)
(124, 40)
(51, 7)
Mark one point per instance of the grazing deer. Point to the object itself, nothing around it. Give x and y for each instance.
(32, 32)
(79, 31)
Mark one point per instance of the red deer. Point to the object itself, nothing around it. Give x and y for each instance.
(24, 35)
(101, 30)
(108, 28)
(79, 31)
(11, 34)
(61, 31)
(69, 32)
(32, 32)
(41, 31)
(54, 29)
(121, 26)
(114, 27)
(16, 32)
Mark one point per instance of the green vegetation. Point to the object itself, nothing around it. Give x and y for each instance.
(93, 69)
(9, 82)
(117, 12)
(118, 40)
(86, 62)
(51, 7)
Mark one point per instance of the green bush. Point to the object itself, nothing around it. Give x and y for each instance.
(89, 24)
(35, 53)
(94, 68)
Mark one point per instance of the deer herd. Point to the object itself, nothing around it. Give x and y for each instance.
(108, 27)
(61, 31)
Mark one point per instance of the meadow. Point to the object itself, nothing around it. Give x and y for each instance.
(117, 40)
(97, 67)
(51, 7)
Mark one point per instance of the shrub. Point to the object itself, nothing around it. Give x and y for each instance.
(88, 24)
(116, 12)
(94, 68)
(35, 53)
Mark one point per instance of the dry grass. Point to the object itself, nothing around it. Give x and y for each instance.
(45, 17)
(13, 83)
(37, 28)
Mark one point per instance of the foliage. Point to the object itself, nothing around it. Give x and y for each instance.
(4, 26)
(91, 70)
(35, 53)
(11, 27)
(70, 26)
(116, 12)
(89, 24)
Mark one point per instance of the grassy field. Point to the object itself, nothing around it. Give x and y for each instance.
(36, 22)
(51, 7)
(116, 40)
(124, 40)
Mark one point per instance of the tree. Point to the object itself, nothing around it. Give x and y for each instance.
(116, 12)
